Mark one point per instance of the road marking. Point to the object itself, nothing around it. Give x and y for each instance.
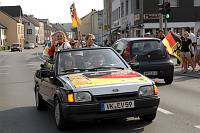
(3, 73)
(197, 126)
(165, 111)
(4, 66)
(30, 64)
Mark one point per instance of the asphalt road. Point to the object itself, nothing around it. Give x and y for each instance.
(179, 110)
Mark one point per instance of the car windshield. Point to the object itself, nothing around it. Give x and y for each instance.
(15, 45)
(89, 60)
(143, 47)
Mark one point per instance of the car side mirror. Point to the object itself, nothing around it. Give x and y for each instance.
(119, 51)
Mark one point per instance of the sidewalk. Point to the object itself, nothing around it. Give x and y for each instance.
(177, 70)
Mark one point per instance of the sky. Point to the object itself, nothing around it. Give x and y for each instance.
(57, 11)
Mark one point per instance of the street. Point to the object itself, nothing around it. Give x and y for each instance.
(179, 110)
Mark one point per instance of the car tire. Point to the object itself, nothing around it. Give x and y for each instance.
(58, 115)
(39, 102)
(169, 79)
(147, 118)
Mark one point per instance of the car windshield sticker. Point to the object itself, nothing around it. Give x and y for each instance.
(120, 77)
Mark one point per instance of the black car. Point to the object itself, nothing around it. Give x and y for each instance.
(16, 47)
(95, 83)
(147, 56)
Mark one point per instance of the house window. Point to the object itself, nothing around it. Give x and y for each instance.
(126, 7)
(160, 2)
(29, 31)
(122, 9)
(137, 4)
(174, 3)
(196, 3)
(28, 23)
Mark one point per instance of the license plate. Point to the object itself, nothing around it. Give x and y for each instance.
(148, 73)
(117, 105)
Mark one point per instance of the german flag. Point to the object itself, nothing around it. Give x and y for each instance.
(173, 44)
(75, 20)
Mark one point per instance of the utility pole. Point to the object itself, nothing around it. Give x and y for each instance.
(165, 25)
(161, 21)
(110, 19)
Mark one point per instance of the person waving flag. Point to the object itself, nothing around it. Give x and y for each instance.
(75, 20)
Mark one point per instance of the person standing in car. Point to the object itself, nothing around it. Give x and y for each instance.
(90, 38)
(60, 43)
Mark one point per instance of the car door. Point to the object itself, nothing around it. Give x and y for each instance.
(49, 85)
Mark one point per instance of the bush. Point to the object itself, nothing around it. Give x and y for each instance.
(5, 47)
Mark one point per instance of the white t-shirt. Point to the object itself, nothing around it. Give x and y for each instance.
(192, 37)
(66, 45)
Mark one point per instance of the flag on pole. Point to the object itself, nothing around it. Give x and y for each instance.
(75, 20)
(173, 44)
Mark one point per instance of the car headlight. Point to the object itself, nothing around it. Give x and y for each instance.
(79, 97)
(146, 90)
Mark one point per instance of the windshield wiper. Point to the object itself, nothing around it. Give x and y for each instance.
(107, 67)
(74, 69)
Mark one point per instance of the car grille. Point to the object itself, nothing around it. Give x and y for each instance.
(116, 97)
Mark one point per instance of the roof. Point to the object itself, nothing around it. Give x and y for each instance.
(2, 26)
(58, 27)
(139, 38)
(14, 11)
(15, 19)
(93, 11)
(33, 20)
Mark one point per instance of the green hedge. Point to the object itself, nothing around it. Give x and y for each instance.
(5, 47)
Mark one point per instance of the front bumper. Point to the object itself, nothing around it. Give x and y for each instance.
(83, 112)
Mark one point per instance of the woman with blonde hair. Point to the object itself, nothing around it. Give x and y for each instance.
(61, 43)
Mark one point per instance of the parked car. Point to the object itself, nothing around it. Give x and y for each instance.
(147, 56)
(29, 46)
(16, 47)
(93, 83)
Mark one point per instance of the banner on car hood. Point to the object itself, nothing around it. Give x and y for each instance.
(105, 78)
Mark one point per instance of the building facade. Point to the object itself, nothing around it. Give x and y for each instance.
(47, 29)
(15, 28)
(179, 17)
(133, 18)
(93, 23)
(31, 26)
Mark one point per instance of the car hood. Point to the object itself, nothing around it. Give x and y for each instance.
(102, 78)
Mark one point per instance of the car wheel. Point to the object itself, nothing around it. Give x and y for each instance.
(58, 115)
(148, 118)
(169, 79)
(39, 102)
